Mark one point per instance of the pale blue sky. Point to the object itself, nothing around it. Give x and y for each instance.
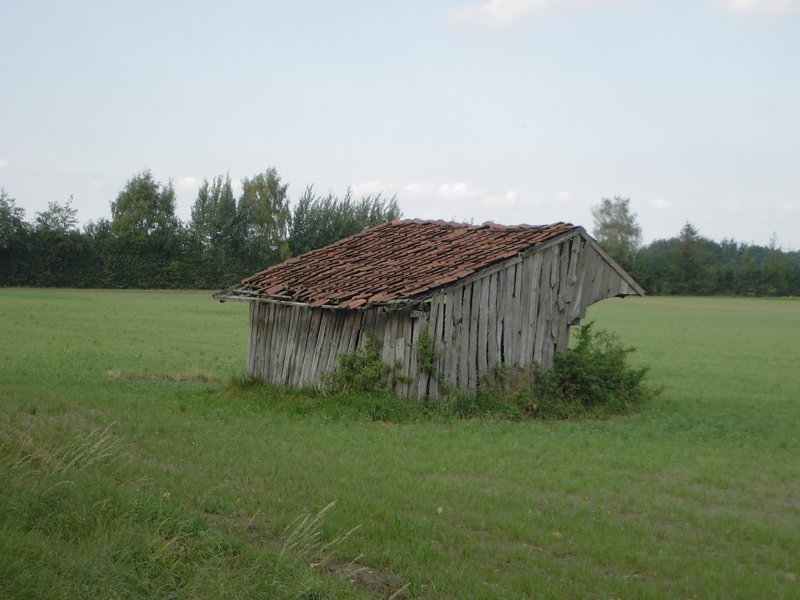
(508, 110)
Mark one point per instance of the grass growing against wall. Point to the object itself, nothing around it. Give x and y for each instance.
(196, 484)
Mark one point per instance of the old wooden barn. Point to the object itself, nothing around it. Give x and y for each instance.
(483, 295)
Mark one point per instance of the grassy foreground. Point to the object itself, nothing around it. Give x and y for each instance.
(131, 468)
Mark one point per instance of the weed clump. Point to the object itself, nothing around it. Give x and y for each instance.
(362, 370)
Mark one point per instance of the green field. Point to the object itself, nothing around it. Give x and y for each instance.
(131, 466)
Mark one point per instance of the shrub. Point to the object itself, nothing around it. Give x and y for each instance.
(362, 370)
(592, 378)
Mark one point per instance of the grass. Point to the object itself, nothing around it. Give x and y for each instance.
(131, 467)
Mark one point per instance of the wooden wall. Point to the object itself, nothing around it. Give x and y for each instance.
(514, 313)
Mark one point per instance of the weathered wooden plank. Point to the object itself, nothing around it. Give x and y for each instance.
(367, 327)
(387, 345)
(354, 325)
(499, 306)
(523, 309)
(423, 327)
(482, 344)
(253, 340)
(265, 335)
(454, 299)
(471, 347)
(280, 339)
(437, 332)
(574, 260)
(402, 352)
(579, 302)
(330, 356)
(291, 317)
(510, 317)
(299, 335)
(543, 313)
(563, 277)
(321, 345)
(267, 327)
(309, 374)
(291, 346)
(492, 346)
(306, 375)
(551, 322)
(518, 303)
(420, 378)
(556, 256)
(565, 293)
(301, 338)
(533, 324)
(260, 356)
(253, 313)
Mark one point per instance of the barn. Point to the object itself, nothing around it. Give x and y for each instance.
(465, 298)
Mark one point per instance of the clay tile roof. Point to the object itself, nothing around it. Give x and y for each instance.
(395, 261)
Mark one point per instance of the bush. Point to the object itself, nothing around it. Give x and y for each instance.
(592, 378)
(362, 370)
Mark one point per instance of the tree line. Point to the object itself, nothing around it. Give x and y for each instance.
(145, 245)
(691, 264)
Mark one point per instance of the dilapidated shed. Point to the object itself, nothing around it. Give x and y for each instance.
(482, 296)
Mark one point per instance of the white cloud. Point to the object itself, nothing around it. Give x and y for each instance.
(729, 205)
(236, 187)
(762, 6)
(497, 13)
(451, 201)
(448, 192)
(662, 204)
(505, 13)
(507, 200)
(416, 188)
(564, 196)
(188, 182)
(367, 188)
(3, 163)
(455, 191)
(791, 206)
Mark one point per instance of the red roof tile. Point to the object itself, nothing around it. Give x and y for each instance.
(395, 261)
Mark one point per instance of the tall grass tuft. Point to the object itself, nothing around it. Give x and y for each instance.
(304, 545)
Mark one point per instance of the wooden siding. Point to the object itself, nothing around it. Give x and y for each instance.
(514, 313)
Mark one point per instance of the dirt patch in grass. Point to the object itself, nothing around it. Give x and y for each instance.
(374, 581)
(370, 579)
(192, 375)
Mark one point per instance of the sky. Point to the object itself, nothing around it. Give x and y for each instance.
(512, 111)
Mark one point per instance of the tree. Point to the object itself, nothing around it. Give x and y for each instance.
(147, 237)
(321, 220)
(695, 262)
(58, 218)
(264, 213)
(144, 208)
(616, 229)
(11, 219)
(214, 212)
(217, 234)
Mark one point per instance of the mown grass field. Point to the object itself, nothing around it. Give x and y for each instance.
(132, 468)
